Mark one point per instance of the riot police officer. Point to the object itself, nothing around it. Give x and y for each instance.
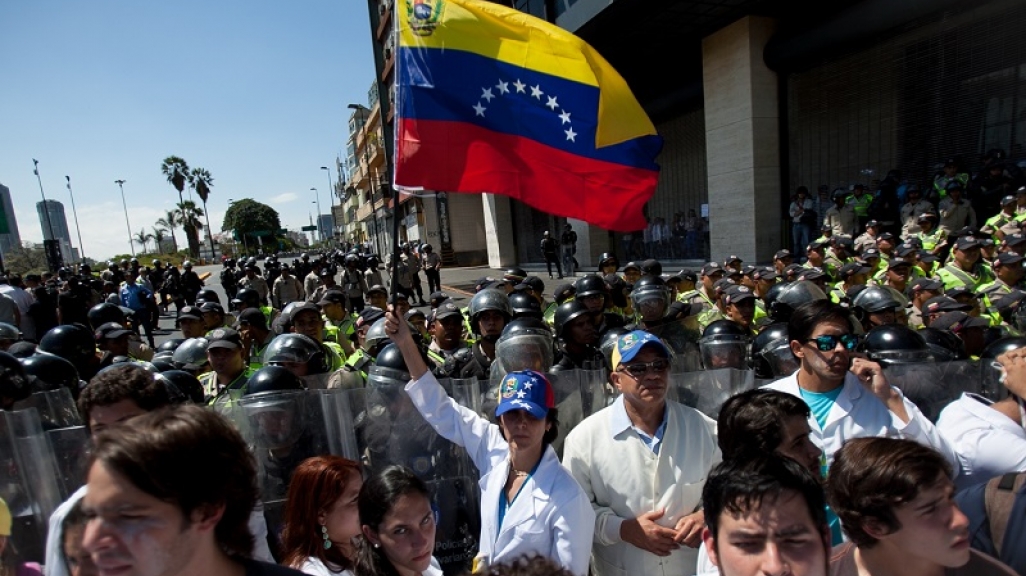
(490, 312)
(577, 338)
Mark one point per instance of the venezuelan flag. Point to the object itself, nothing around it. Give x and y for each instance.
(490, 99)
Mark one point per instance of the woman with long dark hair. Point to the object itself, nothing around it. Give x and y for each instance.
(530, 504)
(397, 525)
(321, 517)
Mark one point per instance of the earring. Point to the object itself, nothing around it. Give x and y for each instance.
(324, 535)
(376, 545)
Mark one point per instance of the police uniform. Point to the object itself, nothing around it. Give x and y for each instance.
(910, 217)
(952, 276)
(212, 390)
(865, 240)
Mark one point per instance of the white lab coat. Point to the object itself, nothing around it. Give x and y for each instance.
(857, 413)
(987, 442)
(551, 516)
(624, 479)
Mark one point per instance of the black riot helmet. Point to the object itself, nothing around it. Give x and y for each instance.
(207, 295)
(514, 275)
(589, 285)
(724, 344)
(191, 355)
(606, 259)
(296, 348)
(14, 384)
(651, 297)
(164, 363)
(895, 344)
(567, 312)
(270, 379)
(525, 344)
(74, 343)
(771, 355)
(170, 345)
(991, 370)
(525, 306)
(489, 299)
(389, 373)
(782, 299)
(875, 299)
(52, 372)
(103, 313)
(944, 344)
(183, 382)
(248, 297)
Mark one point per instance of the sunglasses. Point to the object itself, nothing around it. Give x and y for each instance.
(639, 369)
(829, 342)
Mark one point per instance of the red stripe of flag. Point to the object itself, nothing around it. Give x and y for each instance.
(460, 157)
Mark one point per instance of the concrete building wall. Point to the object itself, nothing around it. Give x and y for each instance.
(466, 222)
(10, 239)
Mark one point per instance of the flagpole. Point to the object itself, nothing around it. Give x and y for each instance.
(78, 229)
(49, 225)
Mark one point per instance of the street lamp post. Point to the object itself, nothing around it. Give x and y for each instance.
(78, 229)
(320, 232)
(121, 185)
(331, 197)
(46, 211)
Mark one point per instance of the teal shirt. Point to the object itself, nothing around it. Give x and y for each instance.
(820, 404)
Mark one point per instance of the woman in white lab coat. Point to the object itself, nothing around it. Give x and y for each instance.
(530, 504)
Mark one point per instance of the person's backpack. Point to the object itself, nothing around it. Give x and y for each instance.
(997, 518)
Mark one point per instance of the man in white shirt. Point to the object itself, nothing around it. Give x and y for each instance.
(849, 397)
(643, 462)
(988, 436)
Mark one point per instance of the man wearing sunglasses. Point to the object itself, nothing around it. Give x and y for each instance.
(643, 462)
(848, 395)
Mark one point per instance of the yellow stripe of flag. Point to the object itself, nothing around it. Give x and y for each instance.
(519, 39)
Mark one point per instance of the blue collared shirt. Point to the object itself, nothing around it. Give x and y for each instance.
(620, 421)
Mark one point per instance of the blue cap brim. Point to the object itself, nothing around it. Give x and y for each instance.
(515, 404)
(653, 341)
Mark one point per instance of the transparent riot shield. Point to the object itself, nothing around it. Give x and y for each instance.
(282, 429)
(467, 392)
(71, 449)
(568, 393)
(931, 386)
(340, 409)
(706, 391)
(392, 431)
(681, 337)
(28, 482)
(56, 408)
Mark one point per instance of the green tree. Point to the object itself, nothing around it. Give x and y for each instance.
(170, 221)
(176, 171)
(26, 260)
(201, 181)
(142, 237)
(189, 219)
(159, 234)
(248, 216)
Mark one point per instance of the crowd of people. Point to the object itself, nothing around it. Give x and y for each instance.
(856, 410)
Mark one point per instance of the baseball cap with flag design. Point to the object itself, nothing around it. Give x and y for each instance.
(525, 390)
(628, 346)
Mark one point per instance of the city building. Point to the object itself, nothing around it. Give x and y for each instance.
(324, 227)
(9, 236)
(55, 227)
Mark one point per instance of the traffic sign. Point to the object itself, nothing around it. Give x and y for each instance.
(259, 233)
(309, 228)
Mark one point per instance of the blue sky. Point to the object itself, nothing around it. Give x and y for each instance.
(254, 91)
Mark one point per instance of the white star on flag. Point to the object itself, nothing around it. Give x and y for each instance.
(565, 117)
(536, 92)
(521, 394)
(479, 109)
(486, 94)
(519, 86)
(528, 385)
(570, 134)
(503, 87)
(552, 103)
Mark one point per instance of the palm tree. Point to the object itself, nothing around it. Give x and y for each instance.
(170, 222)
(201, 181)
(177, 173)
(189, 218)
(159, 234)
(142, 237)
